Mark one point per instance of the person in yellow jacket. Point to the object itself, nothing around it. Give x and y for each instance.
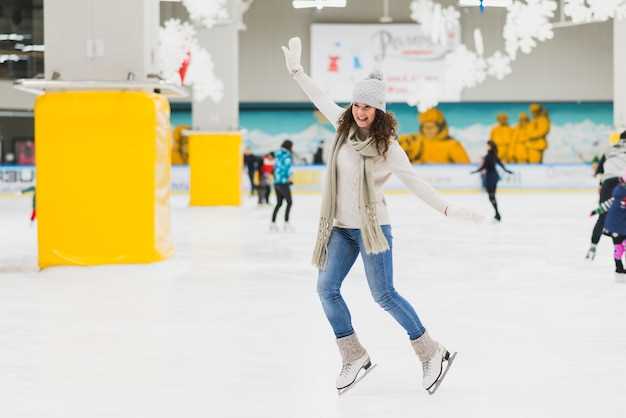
(540, 127)
(518, 151)
(502, 136)
(433, 143)
(180, 153)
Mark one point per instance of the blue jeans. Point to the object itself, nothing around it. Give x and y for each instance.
(343, 248)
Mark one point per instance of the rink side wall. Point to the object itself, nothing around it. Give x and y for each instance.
(307, 179)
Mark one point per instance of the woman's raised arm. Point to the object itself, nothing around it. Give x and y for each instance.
(321, 100)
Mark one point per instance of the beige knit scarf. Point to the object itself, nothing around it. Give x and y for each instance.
(371, 232)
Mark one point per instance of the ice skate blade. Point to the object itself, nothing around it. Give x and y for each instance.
(434, 388)
(363, 373)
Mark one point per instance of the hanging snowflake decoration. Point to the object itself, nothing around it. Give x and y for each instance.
(421, 11)
(435, 21)
(201, 75)
(427, 95)
(177, 43)
(464, 69)
(578, 11)
(528, 23)
(606, 9)
(206, 12)
(499, 65)
(581, 11)
(451, 17)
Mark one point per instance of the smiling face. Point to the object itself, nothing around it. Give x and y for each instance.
(363, 114)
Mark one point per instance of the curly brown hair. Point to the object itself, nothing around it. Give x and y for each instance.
(382, 130)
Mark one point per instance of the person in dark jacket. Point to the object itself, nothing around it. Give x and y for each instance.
(490, 175)
(250, 161)
(318, 157)
(615, 225)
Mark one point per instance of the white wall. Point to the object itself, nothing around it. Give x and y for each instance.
(576, 65)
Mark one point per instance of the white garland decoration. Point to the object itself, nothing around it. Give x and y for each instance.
(499, 65)
(581, 11)
(206, 12)
(528, 23)
(177, 39)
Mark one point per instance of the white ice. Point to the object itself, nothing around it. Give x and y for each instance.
(231, 325)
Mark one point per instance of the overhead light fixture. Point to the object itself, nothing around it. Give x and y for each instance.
(485, 3)
(318, 4)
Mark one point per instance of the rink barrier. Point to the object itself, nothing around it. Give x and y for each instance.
(103, 178)
(453, 178)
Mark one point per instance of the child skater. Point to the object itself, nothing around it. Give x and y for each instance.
(615, 225)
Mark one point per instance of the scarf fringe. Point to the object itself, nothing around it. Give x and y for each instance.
(373, 236)
(320, 252)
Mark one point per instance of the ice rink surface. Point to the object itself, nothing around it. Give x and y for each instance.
(231, 325)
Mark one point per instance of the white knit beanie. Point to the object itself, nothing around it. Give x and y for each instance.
(370, 91)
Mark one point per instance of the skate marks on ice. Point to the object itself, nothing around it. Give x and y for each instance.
(360, 376)
(449, 360)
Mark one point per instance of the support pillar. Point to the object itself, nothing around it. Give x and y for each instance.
(103, 157)
(215, 141)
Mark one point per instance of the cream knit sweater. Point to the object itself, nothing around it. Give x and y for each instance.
(396, 162)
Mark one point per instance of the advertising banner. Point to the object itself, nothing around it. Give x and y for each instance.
(342, 54)
(14, 179)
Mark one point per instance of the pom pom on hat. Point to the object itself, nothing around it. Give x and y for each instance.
(371, 91)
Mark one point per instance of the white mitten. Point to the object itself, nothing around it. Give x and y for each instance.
(464, 214)
(292, 55)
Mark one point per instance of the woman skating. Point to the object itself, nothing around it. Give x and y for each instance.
(491, 176)
(354, 218)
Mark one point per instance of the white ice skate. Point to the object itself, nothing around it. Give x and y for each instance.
(432, 356)
(436, 368)
(355, 363)
(273, 227)
(353, 372)
(620, 278)
(591, 253)
(287, 227)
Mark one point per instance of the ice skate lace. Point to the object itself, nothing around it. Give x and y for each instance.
(346, 369)
(426, 366)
